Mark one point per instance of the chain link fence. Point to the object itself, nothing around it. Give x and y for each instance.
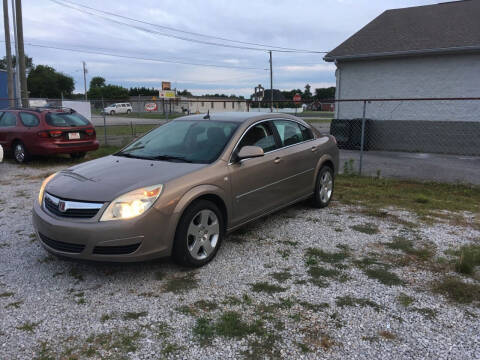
(428, 139)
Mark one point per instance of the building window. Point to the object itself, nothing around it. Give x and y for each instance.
(211, 104)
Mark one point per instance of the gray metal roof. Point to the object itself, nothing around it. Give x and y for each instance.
(441, 28)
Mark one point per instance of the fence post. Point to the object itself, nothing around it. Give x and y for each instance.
(362, 139)
(104, 122)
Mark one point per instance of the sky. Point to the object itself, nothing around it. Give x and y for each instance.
(317, 25)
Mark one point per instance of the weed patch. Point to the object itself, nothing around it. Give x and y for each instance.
(352, 301)
(267, 288)
(281, 276)
(314, 255)
(181, 284)
(368, 228)
(468, 259)
(458, 291)
(384, 276)
(134, 315)
(405, 300)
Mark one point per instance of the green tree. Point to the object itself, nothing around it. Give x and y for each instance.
(307, 94)
(325, 93)
(184, 93)
(43, 81)
(28, 63)
(99, 89)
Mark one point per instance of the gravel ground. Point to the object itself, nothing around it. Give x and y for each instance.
(265, 295)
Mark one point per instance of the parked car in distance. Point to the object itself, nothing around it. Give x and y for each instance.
(25, 132)
(118, 108)
(180, 188)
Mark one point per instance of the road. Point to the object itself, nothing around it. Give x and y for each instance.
(419, 166)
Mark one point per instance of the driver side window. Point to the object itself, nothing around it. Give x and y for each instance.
(259, 135)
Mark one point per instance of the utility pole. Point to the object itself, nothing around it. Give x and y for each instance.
(85, 78)
(21, 53)
(8, 53)
(271, 83)
(18, 96)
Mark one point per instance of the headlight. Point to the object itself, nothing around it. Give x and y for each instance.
(132, 204)
(42, 188)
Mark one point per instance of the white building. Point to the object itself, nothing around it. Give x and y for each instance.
(419, 52)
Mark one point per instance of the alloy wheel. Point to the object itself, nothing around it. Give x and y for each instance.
(326, 186)
(203, 234)
(19, 153)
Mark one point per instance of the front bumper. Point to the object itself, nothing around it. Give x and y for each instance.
(90, 239)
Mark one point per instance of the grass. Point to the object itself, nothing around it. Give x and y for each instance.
(315, 254)
(6, 294)
(352, 301)
(378, 193)
(267, 288)
(458, 291)
(405, 300)
(468, 259)
(134, 315)
(15, 304)
(367, 228)
(229, 325)
(384, 276)
(28, 326)
(124, 130)
(406, 245)
(181, 284)
(119, 342)
(281, 276)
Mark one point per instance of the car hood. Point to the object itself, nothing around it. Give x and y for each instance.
(106, 178)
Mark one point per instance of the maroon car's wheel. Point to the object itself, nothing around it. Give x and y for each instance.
(324, 187)
(199, 234)
(20, 152)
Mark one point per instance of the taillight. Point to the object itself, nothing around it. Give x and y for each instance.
(43, 134)
(55, 133)
(90, 132)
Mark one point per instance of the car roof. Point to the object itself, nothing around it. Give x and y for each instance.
(240, 117)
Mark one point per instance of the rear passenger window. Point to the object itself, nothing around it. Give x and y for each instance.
(29, 120)
(8, 119)
(291, 132)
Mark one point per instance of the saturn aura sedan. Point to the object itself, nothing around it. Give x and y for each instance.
(180, 188)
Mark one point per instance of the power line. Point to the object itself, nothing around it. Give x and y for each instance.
(96, 52)
(265, 46)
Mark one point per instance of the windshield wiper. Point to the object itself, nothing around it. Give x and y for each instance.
(129, 155)
(171, 157)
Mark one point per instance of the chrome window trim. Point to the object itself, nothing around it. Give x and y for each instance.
(230, 162)
(72, 205)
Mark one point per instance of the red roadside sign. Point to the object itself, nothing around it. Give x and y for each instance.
(297, 98)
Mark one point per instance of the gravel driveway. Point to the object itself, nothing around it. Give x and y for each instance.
(300, 284)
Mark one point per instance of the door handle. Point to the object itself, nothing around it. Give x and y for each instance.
(277, 160)
(314, 148)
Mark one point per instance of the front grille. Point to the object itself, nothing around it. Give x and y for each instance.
(115, 250)
(62, 246)
(72, 213)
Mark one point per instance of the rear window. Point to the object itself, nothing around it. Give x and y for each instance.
(66, 119)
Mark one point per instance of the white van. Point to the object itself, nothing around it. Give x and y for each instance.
(118, 108)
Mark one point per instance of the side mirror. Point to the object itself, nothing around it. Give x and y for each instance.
(247, 152)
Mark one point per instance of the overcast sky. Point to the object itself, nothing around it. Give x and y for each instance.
(317, 25)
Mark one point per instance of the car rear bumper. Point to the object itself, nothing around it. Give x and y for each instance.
(52, 148)
(139, 239)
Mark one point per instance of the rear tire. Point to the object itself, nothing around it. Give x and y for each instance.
(324, 187)
(78, 155)
(20, 153)
(199, 234)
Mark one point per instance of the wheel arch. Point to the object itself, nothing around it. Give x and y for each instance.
(203, 192)
(326, 159)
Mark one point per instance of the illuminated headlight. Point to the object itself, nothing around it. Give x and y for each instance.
(132, 204)
(42, 188)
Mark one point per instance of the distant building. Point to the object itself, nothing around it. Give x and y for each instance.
(428, 51)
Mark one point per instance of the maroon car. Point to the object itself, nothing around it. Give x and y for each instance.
(45, 131)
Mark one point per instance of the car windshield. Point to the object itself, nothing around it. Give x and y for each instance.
(66, 119)
(196, 141)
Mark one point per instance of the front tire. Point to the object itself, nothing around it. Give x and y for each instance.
(199, 234)
(324, 187)
(129, 111)
(20, 153)
(112, 112)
